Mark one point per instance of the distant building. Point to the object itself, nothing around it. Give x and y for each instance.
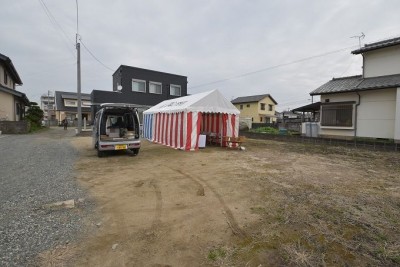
(12, 102)
(47, 104)
(260, 108)
(141, 87)
(67, 106)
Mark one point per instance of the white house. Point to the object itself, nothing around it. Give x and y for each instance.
(366, 105)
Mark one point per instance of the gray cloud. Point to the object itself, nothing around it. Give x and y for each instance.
(204, 40)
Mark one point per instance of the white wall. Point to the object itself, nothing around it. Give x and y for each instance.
(397, 117)
(375, 115)
(380, 62)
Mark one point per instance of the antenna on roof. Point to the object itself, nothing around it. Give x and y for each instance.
(362, 36)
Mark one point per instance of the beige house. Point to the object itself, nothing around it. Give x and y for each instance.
(366, 105)
(257, 108)
(12, 102)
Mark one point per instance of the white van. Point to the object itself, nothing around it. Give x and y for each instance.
(116, 127)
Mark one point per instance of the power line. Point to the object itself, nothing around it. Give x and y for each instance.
(273, 67)
(98, 60)
(56, 25)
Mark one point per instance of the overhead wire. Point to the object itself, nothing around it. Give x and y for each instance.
(98, 60)
(55, 24)
(273, 67)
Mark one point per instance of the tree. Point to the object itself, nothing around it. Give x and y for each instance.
(34, 115)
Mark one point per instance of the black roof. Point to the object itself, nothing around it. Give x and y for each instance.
(100, 97)
(252, 98)
(313, 107)
(357, 83)
(16, 93)
(60, 96)
(130, 67)
(377, 45)
(11, 69)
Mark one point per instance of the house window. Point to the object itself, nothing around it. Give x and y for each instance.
(248, 105)
(241, 106)
(5, 77)
(155, 88)
(138, 86)
(270, 107)
(175, 90)
(260, 119)
(86, 103)
(340, 115)
(262, 106)
(70, 103)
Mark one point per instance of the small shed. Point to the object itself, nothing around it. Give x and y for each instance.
(179, 122)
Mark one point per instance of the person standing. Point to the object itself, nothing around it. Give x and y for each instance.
(65, 123)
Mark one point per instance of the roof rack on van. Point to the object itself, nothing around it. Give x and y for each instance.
(125, 105)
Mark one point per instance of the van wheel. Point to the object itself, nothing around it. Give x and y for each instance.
(135, 151)
(100, 153)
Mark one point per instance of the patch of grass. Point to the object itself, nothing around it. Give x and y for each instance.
(215, 254)
(268, 130)
(258, 210)
(36, 128)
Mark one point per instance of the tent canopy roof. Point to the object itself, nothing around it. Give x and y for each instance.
(207, 102)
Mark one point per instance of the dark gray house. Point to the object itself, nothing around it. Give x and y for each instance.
(66, 106)
(142, 87)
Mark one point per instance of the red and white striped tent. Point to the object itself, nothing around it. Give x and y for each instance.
(179, 122)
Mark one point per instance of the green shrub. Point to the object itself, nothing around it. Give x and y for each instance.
(268, 130)
(34, 115)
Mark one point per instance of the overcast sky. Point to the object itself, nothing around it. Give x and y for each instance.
(207, 41)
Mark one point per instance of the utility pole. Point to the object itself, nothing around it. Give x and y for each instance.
(48, 111)
(78, 49)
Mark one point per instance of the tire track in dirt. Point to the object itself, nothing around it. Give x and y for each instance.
(227, 212)
(158, 208)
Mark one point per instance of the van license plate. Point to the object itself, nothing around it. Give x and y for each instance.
(119, 147)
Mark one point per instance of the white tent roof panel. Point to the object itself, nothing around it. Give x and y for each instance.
(207, 102)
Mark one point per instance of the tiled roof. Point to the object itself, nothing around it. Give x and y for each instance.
(16, 93)
(60, 96)
(308, 108)
(357, 83)
(11, 69)
(377, 45)
(252, 98)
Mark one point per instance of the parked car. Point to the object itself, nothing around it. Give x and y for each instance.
(116, 127)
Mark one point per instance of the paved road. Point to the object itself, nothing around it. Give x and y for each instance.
(35, 170)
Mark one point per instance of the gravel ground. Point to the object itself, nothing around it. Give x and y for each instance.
(36, 170)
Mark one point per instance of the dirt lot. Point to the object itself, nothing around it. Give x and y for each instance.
(273, 204)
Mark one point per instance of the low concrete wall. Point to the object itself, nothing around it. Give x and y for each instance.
(372, 144)
(14, 127)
